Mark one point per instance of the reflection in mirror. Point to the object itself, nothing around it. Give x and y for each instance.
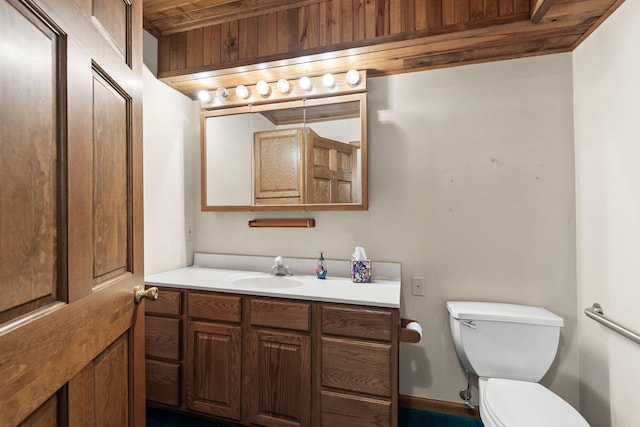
(295, 155)
(227, 172)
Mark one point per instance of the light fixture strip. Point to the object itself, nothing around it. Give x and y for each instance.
(318, 89)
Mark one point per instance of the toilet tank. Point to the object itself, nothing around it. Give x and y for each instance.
(497, 340)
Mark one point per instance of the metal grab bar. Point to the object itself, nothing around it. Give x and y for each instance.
(596, 313)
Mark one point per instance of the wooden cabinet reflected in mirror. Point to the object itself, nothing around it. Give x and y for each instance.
(296, 155)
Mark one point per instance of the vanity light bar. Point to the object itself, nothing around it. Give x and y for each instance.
(305, 87)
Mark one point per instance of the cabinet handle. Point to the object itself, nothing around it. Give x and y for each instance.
(139, 293)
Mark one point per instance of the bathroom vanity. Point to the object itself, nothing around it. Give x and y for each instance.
(246, 347)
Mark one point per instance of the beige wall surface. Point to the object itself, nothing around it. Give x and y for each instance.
(471, 187)
(607, 127)
(171, 132)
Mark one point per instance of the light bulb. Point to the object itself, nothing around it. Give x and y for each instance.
(353, 77)
(328, 80)
(283, 85)
(204, 95)
(305, 83)
(263, 88)
(242, 91)
(222, 93)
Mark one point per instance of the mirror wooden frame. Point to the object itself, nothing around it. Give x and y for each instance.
(253, 207)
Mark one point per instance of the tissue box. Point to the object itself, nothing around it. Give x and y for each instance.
(361, 271)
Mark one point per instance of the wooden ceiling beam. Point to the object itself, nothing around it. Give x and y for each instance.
(224, 12)
(539, 9)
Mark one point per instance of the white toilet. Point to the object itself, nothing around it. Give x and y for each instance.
(510, 347)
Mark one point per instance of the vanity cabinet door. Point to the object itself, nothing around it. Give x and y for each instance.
(213, 381)
(277, 376)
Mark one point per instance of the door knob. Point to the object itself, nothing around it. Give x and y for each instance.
(139, 293)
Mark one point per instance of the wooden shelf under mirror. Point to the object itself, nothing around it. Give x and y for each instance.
(300, 222)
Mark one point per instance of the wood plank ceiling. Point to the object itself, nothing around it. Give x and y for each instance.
(206, 44)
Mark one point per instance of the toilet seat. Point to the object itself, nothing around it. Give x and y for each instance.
(511, 403)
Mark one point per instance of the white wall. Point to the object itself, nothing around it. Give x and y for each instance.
(607, 137)
(471, 186)
(170, 139)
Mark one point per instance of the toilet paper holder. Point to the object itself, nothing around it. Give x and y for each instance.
(412, 334)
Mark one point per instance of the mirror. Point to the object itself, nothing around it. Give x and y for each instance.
(296, 155)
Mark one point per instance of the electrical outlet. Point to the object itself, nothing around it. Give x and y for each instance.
(188, 231)
(417, 286)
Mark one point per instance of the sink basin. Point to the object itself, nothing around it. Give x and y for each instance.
(267, 282)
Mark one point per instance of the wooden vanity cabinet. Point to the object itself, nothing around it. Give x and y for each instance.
(271, 361)
(163, 343)
(277, 378)
(213, 383)
(358, 367)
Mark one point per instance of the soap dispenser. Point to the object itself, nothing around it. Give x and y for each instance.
(321, 268)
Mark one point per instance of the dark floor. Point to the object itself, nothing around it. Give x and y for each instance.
(406, 418)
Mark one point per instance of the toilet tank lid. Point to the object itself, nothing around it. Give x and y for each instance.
(502, 312)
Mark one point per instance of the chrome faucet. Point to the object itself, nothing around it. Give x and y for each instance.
(279, 269)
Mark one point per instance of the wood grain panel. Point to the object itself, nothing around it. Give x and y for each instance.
(357, 366)
(169, 302)
(111, 376)
(335, 20)
(280, 392)
(267, 44)
(111, 179)
(280, 314)
(195, 48)
(29, 161)
(348, 20)
(45, 416)
(211, 45)
(114, 19)
(395, 16)
(214, 380)
(370, 18)
(354, 411)
(163, 337)
(309, 27)
(421, 15)
(163, 382)
(357, 322)
(359, 24)
(278, 165)
(210, 306)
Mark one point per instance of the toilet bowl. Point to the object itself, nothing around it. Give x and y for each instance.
(510, 403)
(510, 347)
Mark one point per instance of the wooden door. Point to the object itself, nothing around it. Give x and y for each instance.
(71, 337)
(278, 167)
(331, 169)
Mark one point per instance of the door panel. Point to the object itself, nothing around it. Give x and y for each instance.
(110, 191)
(71, 336)
(29, 160)
(44, 416)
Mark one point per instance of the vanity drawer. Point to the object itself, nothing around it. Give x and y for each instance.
(375, 324)
(163, 382)
(358, 366)
(162, 337)
(355, 411)
(211, 306)
(280, 314)
(168, 303)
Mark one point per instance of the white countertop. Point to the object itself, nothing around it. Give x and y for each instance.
(379, 293)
